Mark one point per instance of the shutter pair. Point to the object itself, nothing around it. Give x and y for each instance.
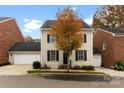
(57, 55)
(85, 55)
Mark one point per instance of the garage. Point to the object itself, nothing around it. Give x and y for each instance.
(96, 58)
(24, 53)
(26, 59)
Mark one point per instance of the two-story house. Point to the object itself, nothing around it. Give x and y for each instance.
(53, 57)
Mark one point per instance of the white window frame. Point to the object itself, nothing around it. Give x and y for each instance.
(53, 55)
(80, 55)
(52, 39)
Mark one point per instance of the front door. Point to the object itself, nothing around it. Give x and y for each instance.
(64, 58)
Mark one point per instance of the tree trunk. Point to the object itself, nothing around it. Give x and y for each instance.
(68, 64)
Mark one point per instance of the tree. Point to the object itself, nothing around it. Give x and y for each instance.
(67, 30)
(109, 16)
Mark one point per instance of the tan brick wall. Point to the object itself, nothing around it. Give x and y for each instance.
(9, 35)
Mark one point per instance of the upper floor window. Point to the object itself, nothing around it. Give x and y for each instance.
(85, 38)
(51, 38)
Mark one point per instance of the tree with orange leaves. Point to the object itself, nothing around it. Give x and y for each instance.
(67, 30)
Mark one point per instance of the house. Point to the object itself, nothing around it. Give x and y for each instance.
(46, 52)
(110, 42)
(9, 35)
(24, 53)
(51, 56)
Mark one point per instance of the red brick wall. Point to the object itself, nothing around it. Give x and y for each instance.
(118, 48)
(9, 35)
(108, 54)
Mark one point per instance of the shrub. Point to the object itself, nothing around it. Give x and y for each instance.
(87, 68)
(36, 65)
(63, 66)
(119, 65)
(76, 67)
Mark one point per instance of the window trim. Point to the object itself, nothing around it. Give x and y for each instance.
(52, 39)
(78, 56)
(50, 55)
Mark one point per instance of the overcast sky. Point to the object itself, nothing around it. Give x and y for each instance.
(30, 18)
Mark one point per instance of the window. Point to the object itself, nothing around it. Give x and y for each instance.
(81, 55)
(104, 46)
(51, 38)
(52, 55)
(85, 38)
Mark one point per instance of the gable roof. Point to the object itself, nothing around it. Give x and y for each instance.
(96, 51)
(116, 31)
(48, 24)
(4, 18)
(26, 46)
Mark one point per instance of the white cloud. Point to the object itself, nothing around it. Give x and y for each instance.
(32, 25)
(27, 30)
(89, 20)
(26, 20)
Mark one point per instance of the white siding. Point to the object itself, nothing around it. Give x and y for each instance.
(51, 46)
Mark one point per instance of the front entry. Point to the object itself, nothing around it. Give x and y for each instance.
(64, 58)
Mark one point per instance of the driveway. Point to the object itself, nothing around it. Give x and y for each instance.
(14, 69)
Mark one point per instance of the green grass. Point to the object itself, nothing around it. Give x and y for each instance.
(41, 71)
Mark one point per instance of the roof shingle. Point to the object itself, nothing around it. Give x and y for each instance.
(26, 46)
(48, 24)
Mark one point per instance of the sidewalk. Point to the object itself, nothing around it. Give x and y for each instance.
(111, 72)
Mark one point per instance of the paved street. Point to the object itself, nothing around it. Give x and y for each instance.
(25, 81)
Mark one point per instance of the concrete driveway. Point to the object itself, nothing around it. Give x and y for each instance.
(15, 69)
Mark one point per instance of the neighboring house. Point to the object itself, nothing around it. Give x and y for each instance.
(110, 42)
(9, 35)
(24, 53)
(51, 56)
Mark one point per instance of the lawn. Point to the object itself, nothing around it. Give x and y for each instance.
(81, 72)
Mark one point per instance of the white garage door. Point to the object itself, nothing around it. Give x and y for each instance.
(97, 60)
(26, 59)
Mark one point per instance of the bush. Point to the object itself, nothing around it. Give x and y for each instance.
(87, 68)
(76, 67)
(119, 65)
(36, 65)
(63, 66)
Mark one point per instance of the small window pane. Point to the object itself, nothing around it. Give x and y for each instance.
(53, 38)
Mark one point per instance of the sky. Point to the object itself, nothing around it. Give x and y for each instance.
(31, 17)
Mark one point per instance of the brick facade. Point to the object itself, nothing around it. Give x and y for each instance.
(114, 47)
(9, 35)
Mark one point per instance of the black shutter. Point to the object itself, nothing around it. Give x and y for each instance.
(48, 55)
(85, 38)
(48, 38)
(85, 55)
(57, 55)
(76, 55)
